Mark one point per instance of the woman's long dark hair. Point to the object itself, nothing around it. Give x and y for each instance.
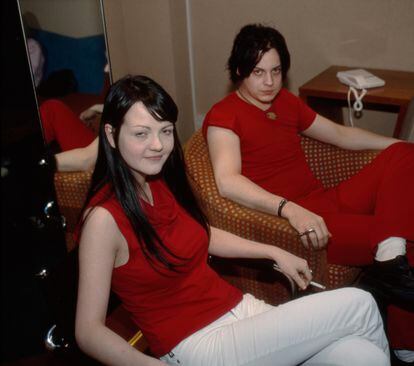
(111, 168)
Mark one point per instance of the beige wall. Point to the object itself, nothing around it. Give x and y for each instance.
(74, 18)
(151, 37)
(319, 33)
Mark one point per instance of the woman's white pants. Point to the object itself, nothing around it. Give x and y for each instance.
(339, 327)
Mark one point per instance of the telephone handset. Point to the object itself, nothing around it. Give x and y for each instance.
(360, 79)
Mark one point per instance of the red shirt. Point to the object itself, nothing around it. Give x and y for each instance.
(169, 306)
(271, 152)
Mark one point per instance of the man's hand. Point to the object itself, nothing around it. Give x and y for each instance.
(88, 116)
(311, 227)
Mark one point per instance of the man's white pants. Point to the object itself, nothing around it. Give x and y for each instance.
(340, 327)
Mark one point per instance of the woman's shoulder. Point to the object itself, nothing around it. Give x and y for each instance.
(98, 218)
(100, 230)
(105, 206)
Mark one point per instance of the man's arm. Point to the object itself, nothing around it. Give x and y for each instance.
(351, 138)
(80, 159)
(91, 113)
(224, 149)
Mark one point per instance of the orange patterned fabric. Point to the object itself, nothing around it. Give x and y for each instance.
(71, 190)
(330, 164)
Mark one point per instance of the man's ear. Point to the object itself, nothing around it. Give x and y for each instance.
(109, 131)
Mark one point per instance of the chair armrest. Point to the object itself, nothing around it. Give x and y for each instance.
(240, 220)
(71, 190)
(254, 225)
(331, 164)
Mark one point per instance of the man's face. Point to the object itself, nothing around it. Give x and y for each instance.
(264, 82)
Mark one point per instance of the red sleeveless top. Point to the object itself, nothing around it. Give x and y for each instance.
(168, 306)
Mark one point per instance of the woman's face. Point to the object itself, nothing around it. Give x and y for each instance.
(264, 82)
(144, 143)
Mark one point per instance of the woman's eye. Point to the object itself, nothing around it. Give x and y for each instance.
(257, 72)
(168, 132)
(140, 134)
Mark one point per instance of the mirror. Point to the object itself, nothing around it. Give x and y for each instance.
(66, 45)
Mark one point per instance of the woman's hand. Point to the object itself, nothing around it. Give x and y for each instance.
(311, 227)
(295, 267)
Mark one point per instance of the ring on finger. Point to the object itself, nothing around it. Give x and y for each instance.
(307, 232)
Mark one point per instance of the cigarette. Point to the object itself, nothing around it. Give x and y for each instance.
(313, 283)
(316, 284)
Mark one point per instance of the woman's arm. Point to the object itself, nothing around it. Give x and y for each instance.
(99, 245)
(225, 244)
(81, 159)
(351, 138)
(224, 149)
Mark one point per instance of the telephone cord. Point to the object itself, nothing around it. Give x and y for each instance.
(358, 105)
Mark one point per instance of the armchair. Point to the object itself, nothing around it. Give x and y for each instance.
(329, 164)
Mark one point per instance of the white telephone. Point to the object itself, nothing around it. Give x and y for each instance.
(360, 79)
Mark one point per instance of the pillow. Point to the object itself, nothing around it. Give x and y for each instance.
(84, 56)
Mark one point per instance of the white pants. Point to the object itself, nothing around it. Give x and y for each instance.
(340, 327)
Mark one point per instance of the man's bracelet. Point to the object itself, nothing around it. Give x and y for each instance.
(282, 204)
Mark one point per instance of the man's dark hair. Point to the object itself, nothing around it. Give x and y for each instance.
(249, 46)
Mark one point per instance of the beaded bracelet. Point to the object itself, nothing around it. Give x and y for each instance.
(282, 204)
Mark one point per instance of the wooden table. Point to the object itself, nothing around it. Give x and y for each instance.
(395, 95)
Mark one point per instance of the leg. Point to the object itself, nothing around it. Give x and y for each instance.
(384, 189)
(355, 350)
(60, 124)
(401, 322)
(351, 232)
(350, 240)
(382, 202)
(259, 334)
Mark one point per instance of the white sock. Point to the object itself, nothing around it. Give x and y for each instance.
(404, 355)
(390, 248)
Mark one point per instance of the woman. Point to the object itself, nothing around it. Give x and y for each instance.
(144, 236)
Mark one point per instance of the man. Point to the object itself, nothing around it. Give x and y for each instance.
(253, 136)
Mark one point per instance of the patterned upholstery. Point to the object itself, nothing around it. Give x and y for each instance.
(330, 164)
(71, 190)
